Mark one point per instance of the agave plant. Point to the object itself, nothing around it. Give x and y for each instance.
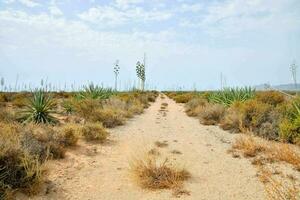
(231, 95)
(95, 92)
(39, 109)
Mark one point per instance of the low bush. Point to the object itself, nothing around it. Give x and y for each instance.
(183, 98)
(43, 141)
(151, 173)
(109, 117)
(6, 115)
(270, 97)
(86, 108)
(195, 106)
(19, 170)
(68, 135)
(212, 114)
(289, 128)
(254, 114)
(232, 120)
(94, 132)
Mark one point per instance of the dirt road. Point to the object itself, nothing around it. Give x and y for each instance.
(94, 171)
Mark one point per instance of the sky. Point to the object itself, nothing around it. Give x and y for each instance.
(188, 43)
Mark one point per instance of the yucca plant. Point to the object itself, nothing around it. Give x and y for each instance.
(39, 108)
(95, 92)
(230, 95)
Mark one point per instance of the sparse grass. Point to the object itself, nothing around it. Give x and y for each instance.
(269, 151)
(278, 188)
(161, 144)
(151, 173)
(94, 132)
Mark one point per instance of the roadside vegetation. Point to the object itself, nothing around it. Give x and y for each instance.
(38, 126)
(269, 123)
(270, 114)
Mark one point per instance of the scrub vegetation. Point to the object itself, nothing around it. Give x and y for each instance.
(38, 126)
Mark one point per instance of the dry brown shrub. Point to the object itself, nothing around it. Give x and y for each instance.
(151, 173)
(19, 170)
(109, 117)
(232, 120)
(6, 115)
(212, 114)
(183, 98)
(68, 135)
(195, 106)
(94, 132)
(270, 97)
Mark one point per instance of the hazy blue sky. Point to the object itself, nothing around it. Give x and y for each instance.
(188, 42)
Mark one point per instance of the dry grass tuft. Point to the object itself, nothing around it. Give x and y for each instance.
(248, 145)
(151, 173)
(161, 144)
(267, 150)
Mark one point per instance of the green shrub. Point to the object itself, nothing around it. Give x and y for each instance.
(290, 131)
(289, 128)
(95, 92)
(39, 109)
(230, 95)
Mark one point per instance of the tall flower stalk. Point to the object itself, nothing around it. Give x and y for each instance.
(116, 71)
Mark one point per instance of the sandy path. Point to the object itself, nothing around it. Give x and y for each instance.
(93, 171)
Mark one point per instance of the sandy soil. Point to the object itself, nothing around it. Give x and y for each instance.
(95, 171)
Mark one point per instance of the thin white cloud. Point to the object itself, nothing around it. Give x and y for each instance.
(127, 3)
(55, 11)
(113, 16)
(232, 18)
(29, 3)
(191, 7)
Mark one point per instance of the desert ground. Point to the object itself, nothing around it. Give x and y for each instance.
(94, 171)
